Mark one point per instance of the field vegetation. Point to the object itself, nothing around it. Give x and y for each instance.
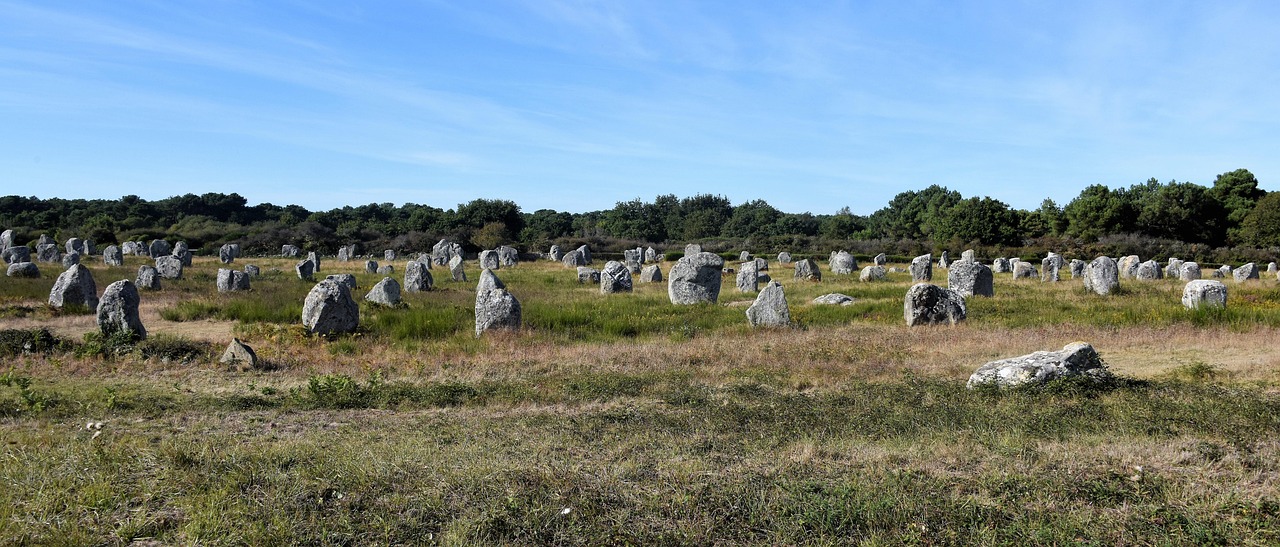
(622, 419)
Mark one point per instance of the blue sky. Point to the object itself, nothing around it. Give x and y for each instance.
(576, 105)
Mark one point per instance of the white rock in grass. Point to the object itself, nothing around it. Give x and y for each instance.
(1074, 359)
(770, 308)
(329, 309)
(1204, 293)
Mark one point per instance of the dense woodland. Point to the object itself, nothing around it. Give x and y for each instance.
(1231, 220)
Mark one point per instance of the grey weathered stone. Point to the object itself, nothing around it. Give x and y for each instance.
(1190, 271)
(48, 252)
(650, 254)
(389, 255)
(112, 256)
(346, 253)
(315, 261)
(873, 273)
(6, 239)
(74, 287)
(306, 270)
(770, 308)
(928, 304)
(1024, 270)
(16, 254)
(118, 310)
(586, 253)
(632, 256)
(179, 248)
(968, 278)
(329, 309)
(89, 248)
(1000, 265)
(1173, 268)
(232, 280)
(969, 255)
(555, 254)
(1049, 269)
(225, 254)
(835, 299)
(70, 259)
(632, 266)
(748, 278)
(169, 267)
(386, 269)
(1075, 359)
(495, 307)
(880, 259)
(1077, 268)
(239, 355)
(944, 261)
(444, 251)
(1245, 272)
(692, 249)
(651, 274)
(695, 279)
(807, 270)
(615, 278)
(289, 251)
(1128, 266)
(158, 248)
(133, 248)
(587, 274)
(456, 272)
(252, 270)
(784, 257)
(1222, 272)
(45, 240)
(508, 257)
(148, 278)
(1204, 293)
(1102, 276)
(417, 278)
(489, 260)
(744, 256)
(23, 269)
(344, 279)
(1148, 271)
(574, 259)
(922, 268)
(371, 266)
(75, 245)
(843, 263)
(385, 293)
(186, 257)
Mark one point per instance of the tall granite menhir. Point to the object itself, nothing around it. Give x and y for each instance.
(695, 278)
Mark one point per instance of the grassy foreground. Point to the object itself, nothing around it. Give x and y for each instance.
(624, 420)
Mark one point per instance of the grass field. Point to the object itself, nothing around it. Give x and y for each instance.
(622, 419)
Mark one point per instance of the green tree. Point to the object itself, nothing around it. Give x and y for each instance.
(704, 216)
(1096, 212)
(1261, 227)
(752, 219)
(984, 220)
(1183, 211)
(1238, 192)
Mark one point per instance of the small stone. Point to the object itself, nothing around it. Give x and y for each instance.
(148, 278)
(385, 292)
(252, 270)
(748, 278)
(508, 257)
(306, 270)
(880, 260)
(1245, 272)
(770, 308)
(1190, 271)
(70, 259)
(1204, 293)
(873, 273)
(651, 274)
(16, 254)
(784, 257)
(289, 251)
(806, 269)
(389, 255)
(386, 269)
(587, 274)
(835, 299)
(1074, 359)
(239, 356)
(455, 268)
(1148, 271)
(232, 280)
(23, 269)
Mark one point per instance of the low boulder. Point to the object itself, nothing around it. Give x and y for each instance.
(695, 279)
(784, 257)
(1075, 359)
(930, 304)
(587, 274)
(16, 254)
(1148, 271)
(1204, 293)
(834, 299)
(1024, 270)
(148, 278)
(873, 273)
(806, 269)
(385, 293)
(232, 280)
(1190, 271)
(1245, 272)
(651, 274)
(74, 287)
(329, 309)
(23, 269)
(239, 356)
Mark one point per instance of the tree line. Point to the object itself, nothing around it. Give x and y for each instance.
(1231, 213)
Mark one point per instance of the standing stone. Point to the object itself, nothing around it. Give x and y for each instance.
(968, 255)
(508, 257)
(235, 249)
(179, 248)
(586, 253)
(343, 279)
(1102, 276)
(169, 266)
(389, 255)
(587, 274)
(695, 279)
(745, 256)
(944, 261)
(807, 270)
(1000, 265)
(387, 269)
(880, 259)
(843, 263)
(692, 249)
(239, 355)
(1174, 267)
(417, 278)
(45, 240)
(225, 255)
(185, 256)
(315, 261)
(148, 278)
(1271, 268)
(75, 245)
(289, 251)
(1148, 271)
(1050, 268)
(495, 307)
(89, 248)
(770, 308)
(748, 279)
(252, 271)
(306, 270)
(6, 239)
(632, 256)
(232, 280)
(615, 278)
(386, 293)
(118, 310)
(873, 273)
(455, 268)
(159, 248)
(784, 257)
(1246, 272)
(48, 252)
(344, 254)
(1204, 293)
(70, 259)
(1190, 271)
(489, 260)
(929, 304)
(444, 251)
(371, 266)
(651, 274)
(16, 254)
(1077, 268)
(922, 268)
(574, 259)
(74, 287)
(555, 254)
(1076, 359)
(650, 254)
(112, 256)
(330, 309)
(1024, 270)
(1223, 271)
(23, 269)
(1128, 266)
(968, 278)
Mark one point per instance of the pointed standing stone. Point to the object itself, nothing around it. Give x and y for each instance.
(770, 308)
(118, 310)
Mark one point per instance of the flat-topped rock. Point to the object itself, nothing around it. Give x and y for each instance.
(1204, 293)
(834, 299)
(969, 278)
(1075, 359)
(927, 304)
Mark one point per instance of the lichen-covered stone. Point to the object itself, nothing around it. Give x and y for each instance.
(489, 260)
(232, 280)
(930, 304)
(48, 252)
(344, 279)
(588, 275)
(1000, 265)
(70, 259)
(835, 299)
(806, 269)
(748, 278)
(385, 293)
(922, 268)
(148, 278)
(508, 257)
(118, 310)
(1077, 268)
(969, 278)
(873, 273)
(289, 251)
(1245, 272)
(495, 307)
(1204, 293)
(456, 272)
(651, 274)
(74, 287)
(1128, 266)
(574, 259)
(1024, 270)
(417, 278)
(169, 267)
(329, 309)
(306, 270)
(158, 248)
(252, 270)
(1102, 276)
(880, 260)
(1190, 271)
(23, 269)
(239, 356)
(784, 257)
(1148, 271)
(695, 279)
(16, 254)
(1075, 359)
(770, 308)
(112, 256)
(615, 278)
(843, 263)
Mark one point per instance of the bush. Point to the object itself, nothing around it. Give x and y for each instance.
(17, 341)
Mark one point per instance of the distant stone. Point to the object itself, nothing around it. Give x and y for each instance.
(1128, 266)
(555, 254)
(289, 251)
(1000, 265)
(586, 253)
(588, 275)
(75, 245)
(455, 269)
(389, 255)
(748, 279)
(148, 278)
(1148, 271)
(112, 256)
(131, 248)
(89, 248)
(16, 254)
(651, 274)
(650, 254)
(880, 259)
(385, 293)
(930, 304)
(1271, 268)
(169, 267)
(444, 251)
(74, 287)
(371, 266)
(489, 260)
(179, 248)
(1204, 293)
(345, 253)
(1077, 268)
(306, 270)
(346, 280)
(508, 257)
(784, 257)
(45, 240)
(225, 254)
(6, 239)
(843, 263)
(1024, 270)
(239, 355)
(185, 257)
(695, 279)
(574, 259)
(835, 299)
(329, 309)
(417, 278)
(1174, 268)
(252, 270)
(48, 252)
(692, 249)
(23, 269)
(495, 307)
(1049, 267)
(968, 255)
(873, 273)
(232, 280)
(770, 308)
(315, 261)
(70, 259)
(807, 270)
(1245, 272)
(922, 268)
(943, 260)
(968, 278)
(615, 278)
(1190, 271)
(1101, 276)
(1075, 359)
(386, 269)
(118, 310)
(159, 248)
